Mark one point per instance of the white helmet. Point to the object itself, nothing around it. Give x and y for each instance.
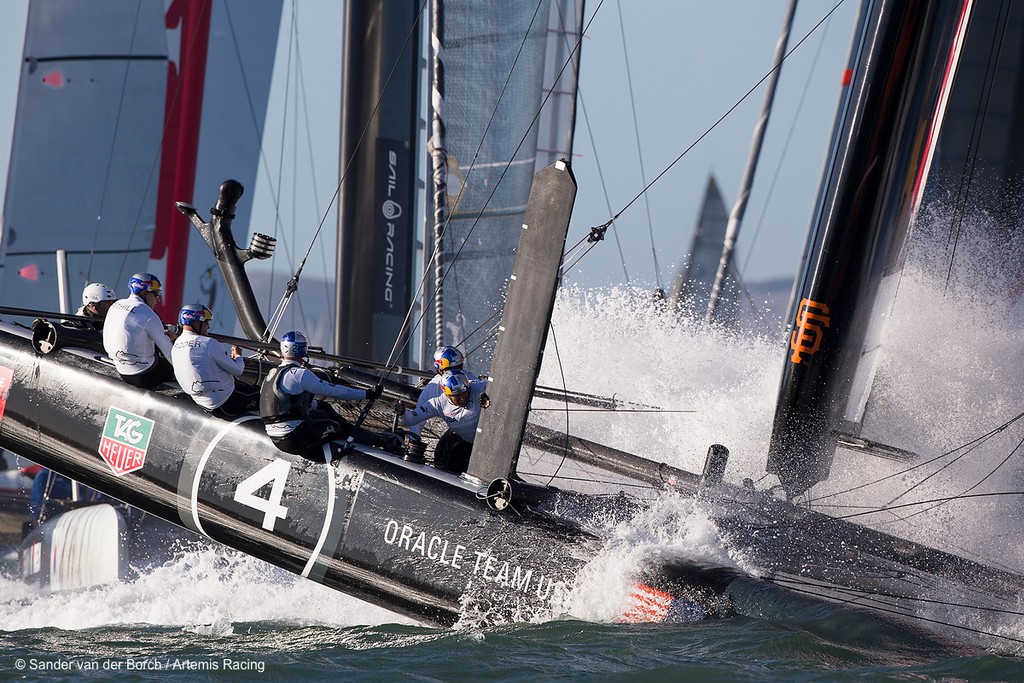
(96, 292)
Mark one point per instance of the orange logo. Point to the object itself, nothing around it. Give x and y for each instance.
(811, 319)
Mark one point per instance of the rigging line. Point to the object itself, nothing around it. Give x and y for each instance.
(421, 286)
(293, 282)
(494, 190)
(274, 190)
(357, 146)
(970, 444)
(869, 595)
(731, 109)
(613, 410)
(561, 373)
(293, 50)
(477, 329)
(312, 172)
(639, 148)
(597, 160)
(993, 494)
(940, 470)
(444, 232)
(491, 334)
(971, 488)
(591, 245)
(590, 480)
(785, 146)
(828, 519)
(930, 620)
(978, 129)
(268, 175)
(113, 144)
(293, 28)
(851, 596)
(604, 188)
(295, 176)
(460, 315)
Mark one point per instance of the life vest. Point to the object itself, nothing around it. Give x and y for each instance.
(277, 406)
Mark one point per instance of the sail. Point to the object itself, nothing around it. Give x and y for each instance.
(557, 123)
(905, 63)
(226, 134)
(495, 61)
(692, 286)
(956, 279)
(90, 107)
(124, 106)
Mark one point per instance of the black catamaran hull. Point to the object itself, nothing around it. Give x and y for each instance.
(407, 537)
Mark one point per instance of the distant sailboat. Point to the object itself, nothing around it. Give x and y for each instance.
(691, 289)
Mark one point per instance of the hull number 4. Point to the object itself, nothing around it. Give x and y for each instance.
(275, 473)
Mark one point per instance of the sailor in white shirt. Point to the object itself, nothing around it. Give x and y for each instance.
(132, 333)
(291, 416)
(459, 406)
(445, 358)
(206, 370)
(97, 299)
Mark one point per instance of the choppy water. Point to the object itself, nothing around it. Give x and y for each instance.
(215, 615)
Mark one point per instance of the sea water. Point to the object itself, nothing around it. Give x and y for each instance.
(218, 615)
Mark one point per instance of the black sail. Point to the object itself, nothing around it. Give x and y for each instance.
(903, 67)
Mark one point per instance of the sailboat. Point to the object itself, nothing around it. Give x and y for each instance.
(490, 546)
(692, 286)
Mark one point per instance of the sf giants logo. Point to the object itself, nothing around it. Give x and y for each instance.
(811, 320)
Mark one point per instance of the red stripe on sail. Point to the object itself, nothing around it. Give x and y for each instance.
(179, 151)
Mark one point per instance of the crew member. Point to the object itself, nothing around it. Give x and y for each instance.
(206, 370)
(459, 406)
(97, 299)
(445, 358)
(132, 334)
(292, 417)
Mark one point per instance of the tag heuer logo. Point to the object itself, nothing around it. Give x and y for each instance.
(125, 440)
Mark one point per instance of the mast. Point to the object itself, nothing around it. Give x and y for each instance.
(906, 60)
(439, 164)
(379, 123)
(740, 207)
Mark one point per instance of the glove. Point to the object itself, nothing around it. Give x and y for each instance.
(485, 401)
(374, 393)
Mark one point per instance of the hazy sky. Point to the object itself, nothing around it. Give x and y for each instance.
(689, 62)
